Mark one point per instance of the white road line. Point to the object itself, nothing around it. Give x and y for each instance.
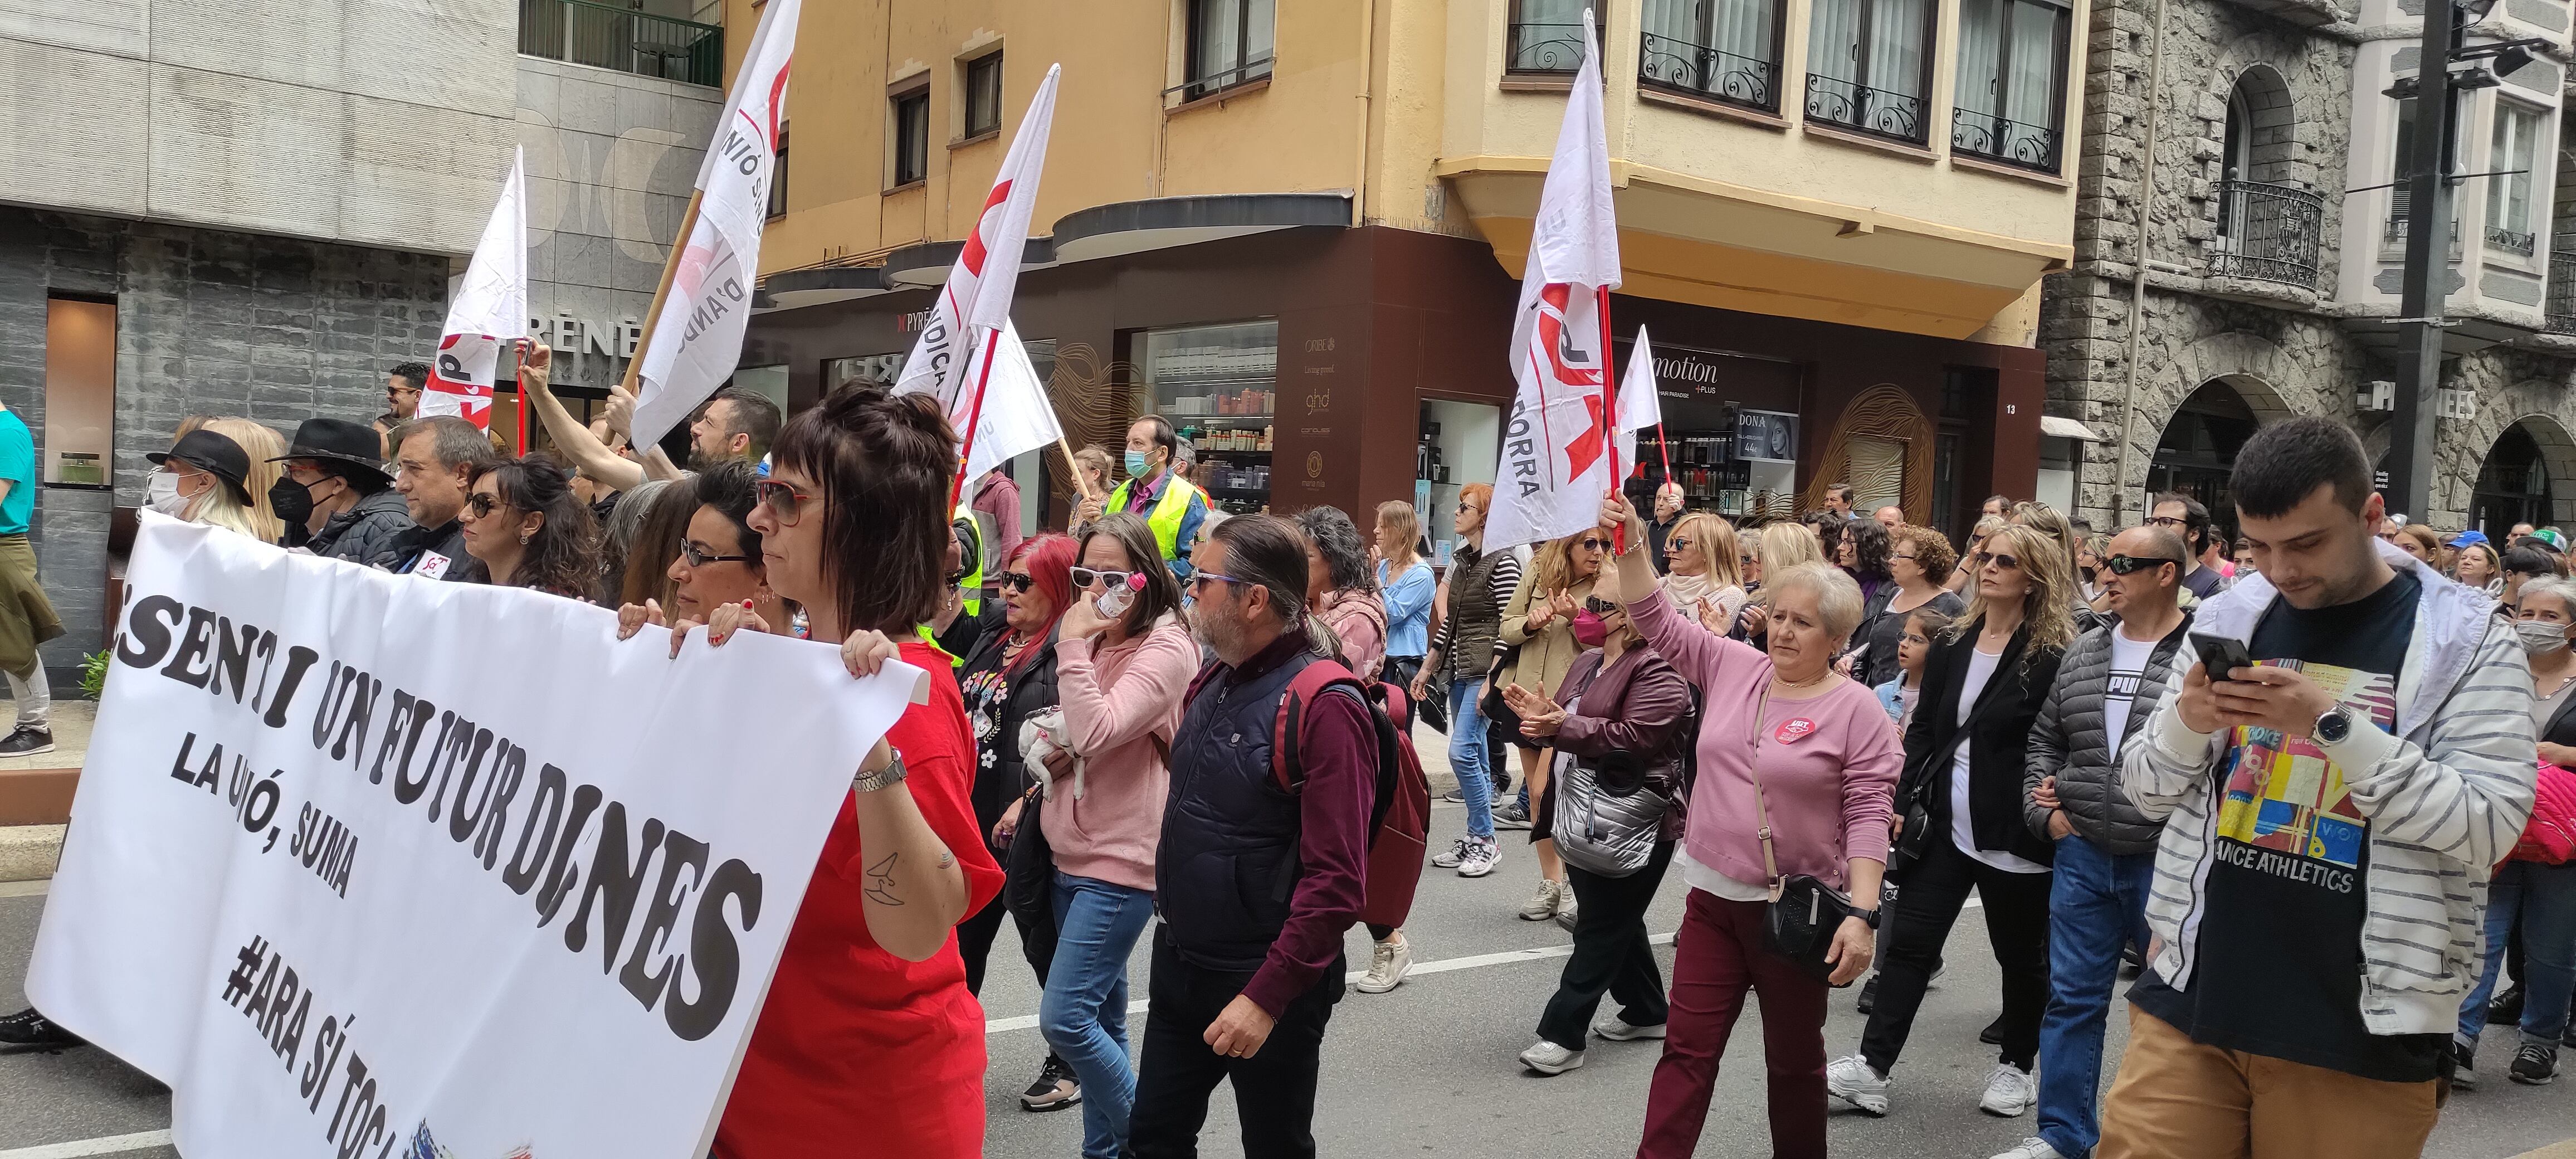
(106, 1145)
(1445, 965)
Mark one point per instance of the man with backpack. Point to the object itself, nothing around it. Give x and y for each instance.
(1255, 886)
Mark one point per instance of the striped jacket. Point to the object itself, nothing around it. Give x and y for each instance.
(2446, 795)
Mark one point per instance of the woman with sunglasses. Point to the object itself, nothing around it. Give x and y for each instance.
(1008, 677)
(1621, 714)
(869, 1031)
(1982, 686)
(1540, 623)
(1703, 558)
(1916, 559)
(1480, 585)
(718, 561)
(1123, 661)
(523, 523)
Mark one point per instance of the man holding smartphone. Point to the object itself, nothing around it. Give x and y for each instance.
(2332, 813)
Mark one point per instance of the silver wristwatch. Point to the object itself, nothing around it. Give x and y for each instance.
(867, 782)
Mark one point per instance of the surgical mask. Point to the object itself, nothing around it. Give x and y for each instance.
(292, 501)
(1589, 631)
(2541, 636)
(1137, 465)
(161, 493)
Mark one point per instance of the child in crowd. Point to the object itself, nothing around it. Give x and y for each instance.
(1898, 694)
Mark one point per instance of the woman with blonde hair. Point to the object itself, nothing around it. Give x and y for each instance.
(1539, 625)
(1959, 812)
(1406, 582)
(201, 479)
(1962, 576)
(1703, 577)
(265, 448)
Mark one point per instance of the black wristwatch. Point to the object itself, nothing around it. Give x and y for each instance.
(1869, 916)
(2333, 725)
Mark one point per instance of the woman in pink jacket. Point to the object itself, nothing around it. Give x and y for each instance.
(1822, 754)
(1124, 660)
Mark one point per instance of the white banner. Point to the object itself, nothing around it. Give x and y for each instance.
(1559, 458)
(491, 306)
(698, 339)
(364, 865)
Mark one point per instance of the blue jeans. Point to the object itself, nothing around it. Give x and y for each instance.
(2097, 904)
(1084, 1012)
(2545, 898)
(1469, 758)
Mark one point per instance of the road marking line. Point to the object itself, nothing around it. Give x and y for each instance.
(1534, 954)
(104, 1145)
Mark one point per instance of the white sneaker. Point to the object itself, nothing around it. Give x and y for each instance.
(1543, 904)
(1388, 964)
(2032, 1148)
(2010, 1092)
(1481, 857)
(1455, 856)
(1549, 1058)
(1852, 1081)
(1615, 1029)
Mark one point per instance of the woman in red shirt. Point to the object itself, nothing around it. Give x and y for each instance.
(869, 1043)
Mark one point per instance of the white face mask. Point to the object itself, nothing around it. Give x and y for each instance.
(2541, 636)
(161, 493)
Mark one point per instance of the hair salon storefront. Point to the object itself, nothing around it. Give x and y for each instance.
(1315, 363)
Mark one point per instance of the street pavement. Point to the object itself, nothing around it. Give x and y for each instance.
(1426, 1070)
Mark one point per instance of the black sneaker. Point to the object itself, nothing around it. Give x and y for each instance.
(1054, 1090)
(1868, 994)
(2535, 1064)
(28, 1028)
(27, 742)
(1455, 796)
(2505, 1009)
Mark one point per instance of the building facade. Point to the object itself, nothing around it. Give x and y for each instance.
(1298, 230)
(2240, 249)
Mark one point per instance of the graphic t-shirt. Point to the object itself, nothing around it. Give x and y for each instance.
(2278, 964)
(18, 466)
(2128, 670)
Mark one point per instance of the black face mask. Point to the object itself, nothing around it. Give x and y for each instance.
(292, 501)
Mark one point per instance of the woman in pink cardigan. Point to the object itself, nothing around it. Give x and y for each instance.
(1826, 760)
(1124, 659)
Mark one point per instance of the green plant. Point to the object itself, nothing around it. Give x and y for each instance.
(93, 680)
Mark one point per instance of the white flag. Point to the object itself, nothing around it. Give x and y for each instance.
(697, 340)
(977, 294)
(1638, 406)
(1556, 448)
(491, 307)
(1018, 416)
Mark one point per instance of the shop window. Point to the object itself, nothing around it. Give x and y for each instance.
(1869, 66)
(1546, 36)
(79, 423)
(1229, 44)
(911, 138)
(984, 95)
(1217, 384)
(1724, 50)
(2012, 71)
(2509, 223)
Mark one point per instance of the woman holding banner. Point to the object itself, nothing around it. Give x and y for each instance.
(869, 1036)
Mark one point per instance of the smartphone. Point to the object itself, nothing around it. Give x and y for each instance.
(2221, 654)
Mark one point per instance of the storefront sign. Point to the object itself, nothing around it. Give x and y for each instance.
(1766, 436)
(358, 873)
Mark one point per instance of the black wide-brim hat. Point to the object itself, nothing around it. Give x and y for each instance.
(214, 454)
(340, 441)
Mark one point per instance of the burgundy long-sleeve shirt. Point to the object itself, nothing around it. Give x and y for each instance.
(1340, 758)
(999, 497)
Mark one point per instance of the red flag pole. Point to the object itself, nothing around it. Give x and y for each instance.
(974, 414)
(518, 374)
(1610, 410)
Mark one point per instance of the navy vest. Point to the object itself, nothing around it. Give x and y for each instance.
(1229, 857)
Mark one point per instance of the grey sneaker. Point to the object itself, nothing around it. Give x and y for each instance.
(1511, 817)
(1616, 1029)
(1850, 1079)
(1543, 904)
(2010, 1091)
(1550, 1059)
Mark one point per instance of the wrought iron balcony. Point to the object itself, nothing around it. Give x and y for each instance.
(1680, 66)
(580, 32)
(2268, 233)
(2509, 241)
(1998, 138)
(1545, 48)
(2561, 297)
(1856, 106)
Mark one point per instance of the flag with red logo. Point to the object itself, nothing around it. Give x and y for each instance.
(490, 309)
(1558, 447)
(697, 338)
(985, 382)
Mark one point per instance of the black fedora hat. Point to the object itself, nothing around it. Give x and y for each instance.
(214, 454)
(339, 440)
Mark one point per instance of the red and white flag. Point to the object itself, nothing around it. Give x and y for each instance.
(1558, 449)
(977, 297)
(697, 339)
(490, 309)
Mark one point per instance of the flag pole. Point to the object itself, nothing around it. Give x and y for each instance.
(1072, 467)
(1610, 410)
(518, 374)
(974, 414)
(661, 293)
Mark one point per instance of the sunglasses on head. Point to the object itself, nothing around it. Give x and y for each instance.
(782, 500)
(2124, 564)
(1018, 581)
(701, 557)
(1087, 578)
(1999, 559)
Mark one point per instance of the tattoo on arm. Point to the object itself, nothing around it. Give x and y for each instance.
(945, 859)
(880, 888)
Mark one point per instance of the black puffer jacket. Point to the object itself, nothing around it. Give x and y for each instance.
(364, 531)
(2068, 741)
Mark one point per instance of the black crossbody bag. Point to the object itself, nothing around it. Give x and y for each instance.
(1804, 912)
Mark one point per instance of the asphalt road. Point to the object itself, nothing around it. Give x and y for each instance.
(1428, 1069)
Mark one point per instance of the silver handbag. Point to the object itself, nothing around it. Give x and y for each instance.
(1603, 832)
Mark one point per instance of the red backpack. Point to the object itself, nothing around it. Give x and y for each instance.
(1400, 815)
